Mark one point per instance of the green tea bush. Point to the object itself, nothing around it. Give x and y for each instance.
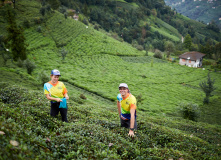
(13, 95)
(189, 111)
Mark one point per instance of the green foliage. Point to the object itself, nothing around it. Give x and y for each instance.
(39, 29)
(213, 26)
(43, 77)
(188, 42)
(169, 47)
(201, 11)
(42, 11)
(26, 23)
(29, 65)
(54, 4)
(189, 111)
(207, 87)
(13, 94)
(158, 54)
(28, 131)
(139, 99)
(94, 66)
(20, 63)
(82, 96)
(16, 39)
(63, 53)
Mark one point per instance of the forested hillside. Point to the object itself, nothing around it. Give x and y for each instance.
(206, 11)
(173, 120)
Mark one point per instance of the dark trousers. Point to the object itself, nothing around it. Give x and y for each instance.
(126, 123)
(55, 110)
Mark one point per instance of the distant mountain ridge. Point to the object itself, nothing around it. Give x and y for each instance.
(200, 10)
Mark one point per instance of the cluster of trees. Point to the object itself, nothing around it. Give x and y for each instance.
(116, 17)
(212, 50)
(15, 40)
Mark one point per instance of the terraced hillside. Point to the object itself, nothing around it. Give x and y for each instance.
(92, 70)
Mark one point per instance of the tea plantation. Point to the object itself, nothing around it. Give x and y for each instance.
(92, 70)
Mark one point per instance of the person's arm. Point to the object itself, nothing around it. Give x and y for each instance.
(132, 120)
(52, 98)
(66, 96)
(118, 107)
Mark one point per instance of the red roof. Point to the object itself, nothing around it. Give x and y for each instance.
(192, 55)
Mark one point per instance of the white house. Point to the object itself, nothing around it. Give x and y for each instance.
(191, 59)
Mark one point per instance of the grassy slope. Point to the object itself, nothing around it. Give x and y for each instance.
(166, 30)
(92, 64)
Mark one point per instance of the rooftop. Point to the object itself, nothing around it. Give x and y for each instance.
(192, 55)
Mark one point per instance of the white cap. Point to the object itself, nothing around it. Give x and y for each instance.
(123, 85)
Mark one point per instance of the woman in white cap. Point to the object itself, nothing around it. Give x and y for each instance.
(127, 108)
(56, 92)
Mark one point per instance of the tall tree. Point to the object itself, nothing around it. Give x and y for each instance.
(217, 52)
(208, 88)
(188, 42)
(169, 47)
(15, 38)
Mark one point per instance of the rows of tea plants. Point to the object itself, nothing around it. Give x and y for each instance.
(77, 38)
(169, 28)
(28, 131)
(165, 33)
(163, 86)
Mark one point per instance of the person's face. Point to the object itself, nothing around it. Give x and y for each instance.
(54, 78)
(123, 91)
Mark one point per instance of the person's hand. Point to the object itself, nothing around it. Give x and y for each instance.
(58, 100)
(131, 133)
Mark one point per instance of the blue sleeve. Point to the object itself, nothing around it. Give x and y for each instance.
(119, 98)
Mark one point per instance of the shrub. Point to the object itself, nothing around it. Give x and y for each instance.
(82, 96)
(42, 11)
(13, 95)
(26, 23)
(206, 62)
(48, 7)
(38, 20)
(96, 27)
(158, 54)
(139, 47)
(39, 29)
(189, 111)
(65, 15)
(30, 66)
(146, 54)
(63, 53)
(20, 63)
(85, 21)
